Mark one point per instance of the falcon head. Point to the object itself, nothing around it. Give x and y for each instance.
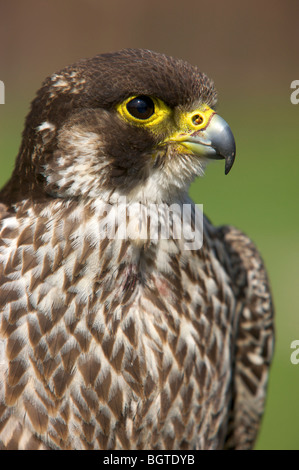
(134, 123)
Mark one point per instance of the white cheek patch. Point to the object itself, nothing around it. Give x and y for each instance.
(79, 167)
(85, 141)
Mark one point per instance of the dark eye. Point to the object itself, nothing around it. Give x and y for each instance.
(141, 107)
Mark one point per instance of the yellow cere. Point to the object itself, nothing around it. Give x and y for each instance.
(196, 119)
(190, 122)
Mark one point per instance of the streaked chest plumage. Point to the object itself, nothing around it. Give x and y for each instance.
(112, 343)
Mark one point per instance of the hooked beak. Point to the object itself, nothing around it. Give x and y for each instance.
(214, 141)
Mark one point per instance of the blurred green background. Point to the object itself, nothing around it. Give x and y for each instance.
(250, 49)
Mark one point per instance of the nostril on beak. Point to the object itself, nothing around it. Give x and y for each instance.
(197, 119)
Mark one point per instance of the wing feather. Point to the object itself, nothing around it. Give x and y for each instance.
(254, 335)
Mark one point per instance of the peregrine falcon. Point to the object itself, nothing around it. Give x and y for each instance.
(135, 341)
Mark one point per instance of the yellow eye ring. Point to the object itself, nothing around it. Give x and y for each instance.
(143, 110)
